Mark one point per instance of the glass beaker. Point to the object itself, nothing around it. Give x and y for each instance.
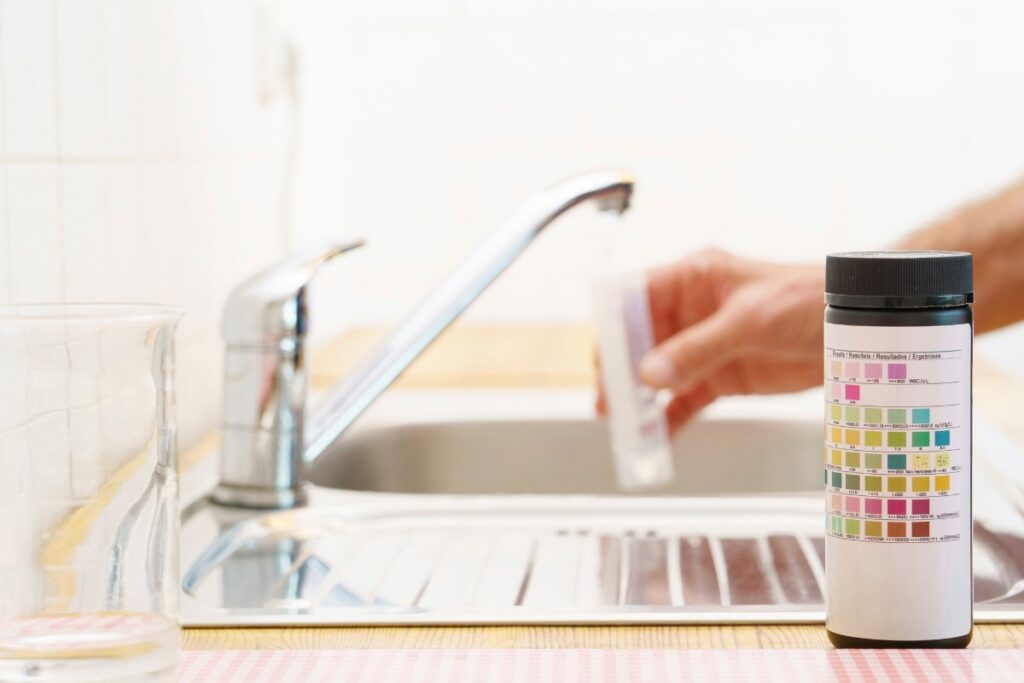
(88, 493)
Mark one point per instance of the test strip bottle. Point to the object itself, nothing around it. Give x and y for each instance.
(898, 338)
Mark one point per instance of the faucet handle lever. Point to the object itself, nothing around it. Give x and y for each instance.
(270, 305)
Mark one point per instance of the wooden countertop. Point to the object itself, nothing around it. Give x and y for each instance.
(550, 356)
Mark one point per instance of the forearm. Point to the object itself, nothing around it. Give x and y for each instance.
(993, 230)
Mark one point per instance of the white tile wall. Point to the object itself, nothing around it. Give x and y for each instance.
(30, 72)
(137, 162)
(36, 238)
(81, 82)
(779, 129)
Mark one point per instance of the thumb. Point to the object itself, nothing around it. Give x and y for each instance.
(696, 351)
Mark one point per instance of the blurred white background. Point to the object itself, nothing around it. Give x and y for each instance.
(145, 144)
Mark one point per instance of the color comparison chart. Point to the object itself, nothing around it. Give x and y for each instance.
(892, 457)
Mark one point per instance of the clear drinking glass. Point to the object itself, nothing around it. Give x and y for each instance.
(88, 493)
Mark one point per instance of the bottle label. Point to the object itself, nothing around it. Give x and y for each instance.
(894, 436)
(897, 461)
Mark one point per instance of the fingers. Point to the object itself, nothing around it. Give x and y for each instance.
(697, 351)
(600, 403)
(690, 289)
(681, 293)
(683, 407)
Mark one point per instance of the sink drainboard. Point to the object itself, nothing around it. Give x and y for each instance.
(529, 560)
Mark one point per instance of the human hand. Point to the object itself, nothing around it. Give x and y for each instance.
(726, 325)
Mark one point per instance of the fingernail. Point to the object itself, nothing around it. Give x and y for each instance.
(658, 370)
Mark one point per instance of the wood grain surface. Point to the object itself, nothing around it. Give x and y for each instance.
(470, 637)
(548, 356)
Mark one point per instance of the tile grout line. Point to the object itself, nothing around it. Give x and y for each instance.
(59, 179)
(9, 270)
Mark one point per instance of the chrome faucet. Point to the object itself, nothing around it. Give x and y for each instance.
(267, 440)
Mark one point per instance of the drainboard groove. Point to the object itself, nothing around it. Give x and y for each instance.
(624, 569)
(648, 578)
(501, 576)
(768, 564)
(333, 552)
(456, 570)
(699, 574)
(747, 575)
(818, 543)
(814, 560)
(525, 583)
(721, 574)
(791, 572)
(404, 583)
(610, 571)
(286, 582)
(675, 573)
(553, 577)
(589, 572)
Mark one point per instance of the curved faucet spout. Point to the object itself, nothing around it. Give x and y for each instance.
(610, 190)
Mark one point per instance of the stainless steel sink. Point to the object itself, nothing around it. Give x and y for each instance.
(571, 456)
(501, 507)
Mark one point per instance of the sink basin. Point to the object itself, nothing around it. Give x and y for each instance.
(502, 507)
(571, 456)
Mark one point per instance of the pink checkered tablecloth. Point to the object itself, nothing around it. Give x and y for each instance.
(570, 666)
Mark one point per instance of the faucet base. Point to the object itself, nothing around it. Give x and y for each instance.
(258, 498)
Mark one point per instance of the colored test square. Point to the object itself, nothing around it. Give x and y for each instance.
(920, 484)
(853, 482)
(853, 370)
(836, 502)
(852, 459)
(941, 461)
(896, 461)
(896, 530)
(873, 529)
(920, 461)
(852, 437)
(873, 439)
(921, 506)
(921, 529)
(942, 482)
(852, 392)
(836, 368)
(896, 416)
(837, 525)
(837, 412)
(921, 416)
(873, 484)
(922, 439)
(872, 506)
(896, 439)
(896, 507)
(853, 527)
(852, 414)
(873, 370)
(873, 416)
(837, 480)
(942, 438)
(836, 390)
(837, 458)
(853, 505)
(837, 435)
(873, 461)
(897, 485)
(897, 371)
